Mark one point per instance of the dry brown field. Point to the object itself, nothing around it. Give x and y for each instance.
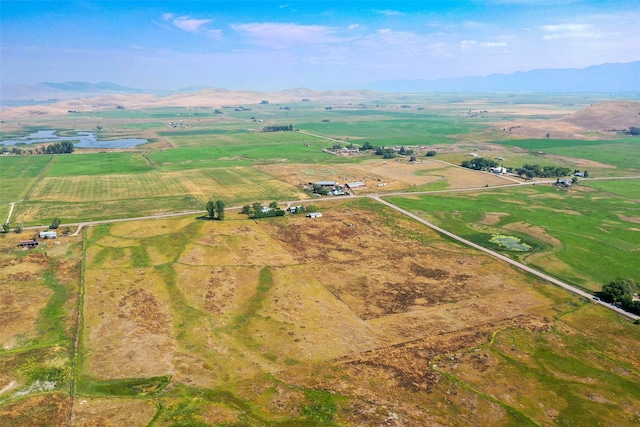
(362, 302)
(383, 176)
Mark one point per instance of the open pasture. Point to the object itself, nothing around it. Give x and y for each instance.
(257, 147)
(18, 173)
(583, 235)
(382, 176)
(618, 156)
(38, 313)
(138, 194)
(362, 312)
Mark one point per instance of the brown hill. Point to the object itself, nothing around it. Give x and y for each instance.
(213, 98)
(609, 115)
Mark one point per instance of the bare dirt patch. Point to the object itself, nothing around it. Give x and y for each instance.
(492, 218)
(102, 412)
(634, 219)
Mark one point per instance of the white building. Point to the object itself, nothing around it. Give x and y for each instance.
(48, 235)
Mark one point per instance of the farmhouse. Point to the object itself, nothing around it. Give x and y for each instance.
(28, 244)
(499, 170)
(295, 209)
(48, 235)
(325, 183)
(314, 215)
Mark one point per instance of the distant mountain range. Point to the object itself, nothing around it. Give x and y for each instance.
(597, 78)
(47, 92)
(605, 78)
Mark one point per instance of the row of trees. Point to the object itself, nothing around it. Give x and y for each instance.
(215, 210)
(526, 171)
(62, 147)
(531, 171)
(278, 128)
(479, 163)
(620, 292)
(256, 210)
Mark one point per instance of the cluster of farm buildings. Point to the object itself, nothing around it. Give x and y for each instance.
(34, 243)
(331, 188)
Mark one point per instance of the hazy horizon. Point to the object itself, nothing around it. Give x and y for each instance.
(271, 46)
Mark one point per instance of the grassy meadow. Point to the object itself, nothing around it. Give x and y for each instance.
(586, 235)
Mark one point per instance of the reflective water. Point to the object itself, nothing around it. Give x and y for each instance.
(510, 242)
(86, 140)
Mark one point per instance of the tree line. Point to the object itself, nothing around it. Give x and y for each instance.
(62, 147)
(278, 128)
(526, 171)
(479, 163)
(532, 171)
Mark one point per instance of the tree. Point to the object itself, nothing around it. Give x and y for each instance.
(273, 205)
(389, 153)
(614, 290)
(634, 130)
(431, 153)
(210, 207)
(55, 224)
(585, 174)
(366, 146)
(220, 209)
(6, 227)
(246, 209)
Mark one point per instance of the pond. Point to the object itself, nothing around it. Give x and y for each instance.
(86, 140)
(511, 243)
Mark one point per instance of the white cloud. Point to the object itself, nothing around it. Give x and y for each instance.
(569, 31)
(187, 24)
(388, 12)
(465, 44)
(286, 35)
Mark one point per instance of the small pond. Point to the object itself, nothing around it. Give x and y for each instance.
(86, 140)
(511, 243)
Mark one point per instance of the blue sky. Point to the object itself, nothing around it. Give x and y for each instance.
(267, 45)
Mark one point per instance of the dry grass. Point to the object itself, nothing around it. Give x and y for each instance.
(381, 176)
(114, 412)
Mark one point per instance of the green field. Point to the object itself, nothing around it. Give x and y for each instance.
(597, 236)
